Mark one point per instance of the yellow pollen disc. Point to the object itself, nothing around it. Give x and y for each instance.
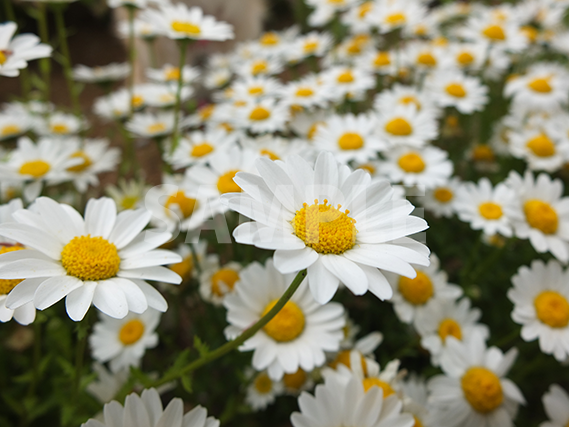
(240, 103)
(269, 39)
(128, 202)
(287, 325)
(259, 113)
(325, 228)
(443, 195)
(137, 101)
(490, 210)
(530, 32)
(186, 204)
(365, 8)
(225, 183)
(346, 77)
(304, 91)
(494, 32)
(456, 90)
(263, 383)
(552, 309)
(482, 389)
(371, 382)
(411, 163)
(483, 153)
(259, 67)
(90, 258)
(541, 215)
(191, 30)
(226, 276)
(406, 100)
(81, 166)
(427, 59)
(200, 150)
(310, 47)
(450, 327)
(343, 358)
(35, 168)
(354, 48)
(296, 380)
(540, 85)
(418, 422)
(270, 154)
(541, 146)
(368, 167)
(227, 127)
(59, 128)
(382, 59)
(336, 1)
(3, 57)
(417, 291)
(206, 112)
(131, 332)
(10, 130)
(156, 128)
(295, 108)
(6, 285)
(396, 18)
(256, 90)
(172, 73)
(313, 129)
(399, 127)
(350, 141)
(184, 268)
(465, 58)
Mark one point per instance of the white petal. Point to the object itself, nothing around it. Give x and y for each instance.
(294, 261)
(110, 299)
(323, 284)
(78, 301)
(348, 272)
(100, 217)
(54, 289)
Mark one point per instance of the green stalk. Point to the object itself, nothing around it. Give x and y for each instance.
(45, 63)
(131, 56)
(176, 134)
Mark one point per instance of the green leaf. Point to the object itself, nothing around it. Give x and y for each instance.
(187, 383)
(200, 346)
(140, 376)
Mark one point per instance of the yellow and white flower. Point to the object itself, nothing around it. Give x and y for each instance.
(350, 82)
(266, 115)
(440, 200)
(169, 73)
(405, 125)
(60, 125)
(451, 88)
(152, 125)
(307, 92)
(128, 194)
(103, 74)
(394, 14)
(556, 405)
(15, 52)
(398, 94)
(262, 391)
(14, 124)
(217, 281)
(197, 147)
(540, 148)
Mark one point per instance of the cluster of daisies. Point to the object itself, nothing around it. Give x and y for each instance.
(316, 139)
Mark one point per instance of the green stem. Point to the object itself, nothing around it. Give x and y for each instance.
(176, 134)
(195, 260)
(231, 345)
(82, 335)
(131, 56)
(151, 45)
(36, 358)
(45, 63)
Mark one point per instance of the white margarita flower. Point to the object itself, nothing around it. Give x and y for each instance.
(164, 95)
(466, 56)
(297, 336)
(59, 124)
(398, 94)
(406, 125)
(474, 391)
(541, 148)
(454, 89)
(15, 52)
(357, 17)
(150, 125)
(216, 280)
(102, 259)
(307, 92)
(198, 147)
(330, 220)
(324, 10)
(382, 62)
(415, 400)
(342, 81)
(541, 305)
(186, 268)
(252, 88)
(274, 147)
(13, 124)
(440, 200)
(262, 391)
(265, 115)
(128, 194)
(556, 404)
(102, 74)
(390, 15)
(258, 67)
(499, 34)
(171, 73)
(423, 56)
(311, 44)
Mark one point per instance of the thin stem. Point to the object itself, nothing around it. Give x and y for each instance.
(195, 259)
(82, 335)
(45, 63)
(36, 357)
(176, 135)
(151, 45)
(131, 56)
(231, 345)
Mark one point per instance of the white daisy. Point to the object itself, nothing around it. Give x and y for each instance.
(258, 67)
(451, 88)
(216, 280)
(440, 200)
(404, 95)
(13, 124)
(307, 92)
(415, 400)
(342, 81)
(311, 44)
(382, 62)
(15, 52)
(186, 268)
(170, 74)
(540, 148)
(422, 56)
(266, 115)
(198, 147)
(59, 124)
(262, 391)
(150, 125)
(345, 234)
(102, 259)
(466, 56)
(390, 15)
(556, 404)
(406, 125)
(274, 147)
(102, 74)
(497, 33)
(128, 194)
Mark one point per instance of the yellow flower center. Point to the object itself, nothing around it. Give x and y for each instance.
(206, 112)
(343, 358)
(541, 146)
(156, 128)
(411, 163)
(397, 18)
(418, 422)
(187, 28)
(456, 90)
(427, 59)
(541, 215)
(406, 100)
(227, 127)
(483, 153)
(350, 141)
(449, 327)
(465, 58)
(346, 77)
(259, 67)
(10, 129)
(184, 268)
(287, 324)
(399, 127)
(90, 258)
(443, 194)
(313, 129)
(3, 57)
(81, 166)
(310, 47)
(270, 154)
(368, 167)
(172, 73)
(494, 33)
(6, 285)
(490, 210)
(324, 228)
(137, 101)
(365, 8)
(225, 183)
(259, 113)
(376, 382)
(186, 204)
(552, 309)
(200, 150)
(304, 91)
(128, 202)
(382, 59)
(59, 128)
(417, 291)
(263, 383)
(269, 39)
(482, 389)
(131, 332)
(296, 380)
(530, 32)
(354, 48)
(256, 90)
(225, 276)
(35, 168)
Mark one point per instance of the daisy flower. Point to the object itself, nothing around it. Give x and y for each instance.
(164, 95)
(100, 260)
(474, 390)
(152, 125)
(390, 15)
(275, 148)
(540, 148)
(297, 382)
(311, 44)
(406, 125)
(59, 124)
(556, 404)
(171, 73)
(440, 200)
(382, 62)
(198, 147)
(217, 281)
(502, 35)
(347, 232)
(123, 342)
(427, 166)
(307, 92)
(324, 10)
(266, 115)
(423, 56)
(259, 67)
(483, 206)
(415, 400)
(262, 391)
(107, 384)
(186, 268)
(349, 137)
(252, 88)
(404, 95)
(342, 81)
(113, 72)
(128, 194)
(297, 336)
(148, 407)
(13, 124)
(466, 56)
(541, 305)
(454, 89)
(444, 318)
(15, 52)
(411, 296)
